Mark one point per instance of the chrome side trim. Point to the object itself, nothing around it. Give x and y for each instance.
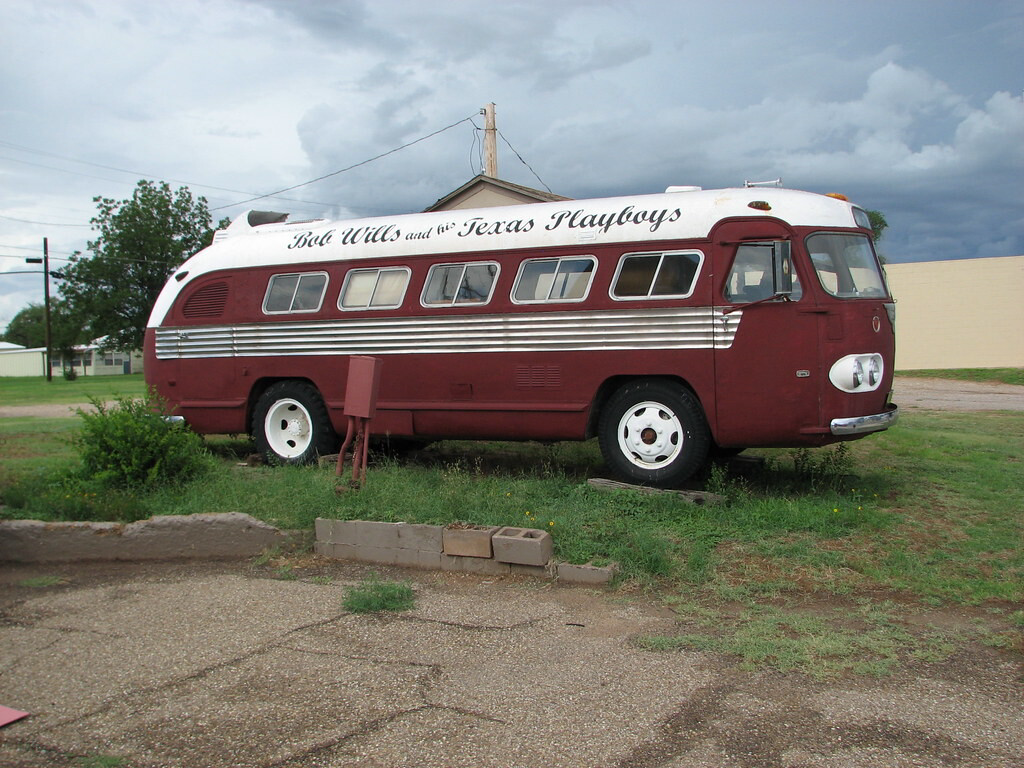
(861, 425)
(678, 328)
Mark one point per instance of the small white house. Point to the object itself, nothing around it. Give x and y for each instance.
(88, 360)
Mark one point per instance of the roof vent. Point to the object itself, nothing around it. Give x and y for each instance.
(256, 218)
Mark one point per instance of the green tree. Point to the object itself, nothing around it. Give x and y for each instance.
(141, 242)
(28, 328)
(878, 227)
(878, 224)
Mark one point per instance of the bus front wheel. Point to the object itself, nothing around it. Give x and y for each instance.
(653, 433)
(291, 425)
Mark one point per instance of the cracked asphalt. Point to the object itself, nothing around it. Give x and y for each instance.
(217, 664)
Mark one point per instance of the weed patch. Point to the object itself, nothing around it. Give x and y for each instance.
(374, 596)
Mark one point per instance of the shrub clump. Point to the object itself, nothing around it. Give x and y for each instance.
(132, 444)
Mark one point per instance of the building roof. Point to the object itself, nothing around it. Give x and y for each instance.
(499, 192)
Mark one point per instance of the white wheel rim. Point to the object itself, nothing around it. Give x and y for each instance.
(288, 428)
(650, 435)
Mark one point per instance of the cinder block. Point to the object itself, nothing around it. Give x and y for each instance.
(469, 540)
(418, 558)
(422, 537)
(476, 565)
(534, 571)
(325, 529)
(526, 546)
(370, 533)
(337, 531)
(585, 574)
(404, 558)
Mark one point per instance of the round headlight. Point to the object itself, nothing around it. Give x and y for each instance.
(874, 371)
(858, 373)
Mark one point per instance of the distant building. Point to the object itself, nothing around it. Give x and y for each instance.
(16, 360)
(487, 192)
(963, 313)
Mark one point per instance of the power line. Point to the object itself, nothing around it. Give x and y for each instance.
(349, 168)
(149, 176)
(28, 248)
(43, 223)
(524, 162)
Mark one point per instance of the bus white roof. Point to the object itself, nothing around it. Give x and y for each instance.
(680, 213)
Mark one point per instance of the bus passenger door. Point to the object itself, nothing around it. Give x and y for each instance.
(767, 370)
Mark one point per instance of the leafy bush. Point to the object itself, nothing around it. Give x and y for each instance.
(132, 444)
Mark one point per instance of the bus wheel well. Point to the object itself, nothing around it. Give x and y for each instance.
(611, 385)
(262, 385)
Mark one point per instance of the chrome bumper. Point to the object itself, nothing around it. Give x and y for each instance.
(861, 425)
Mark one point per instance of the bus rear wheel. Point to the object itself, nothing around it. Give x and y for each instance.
(653, 433)
(291, 425)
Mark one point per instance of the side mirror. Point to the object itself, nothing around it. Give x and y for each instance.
(782, 265)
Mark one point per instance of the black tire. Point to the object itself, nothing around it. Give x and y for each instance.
(290, 424)
(653, 433)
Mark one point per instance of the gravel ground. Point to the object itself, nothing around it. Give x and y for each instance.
(218, 665)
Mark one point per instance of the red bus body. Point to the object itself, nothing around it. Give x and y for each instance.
(710, 363)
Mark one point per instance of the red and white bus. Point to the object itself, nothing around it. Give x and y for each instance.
(668, 325)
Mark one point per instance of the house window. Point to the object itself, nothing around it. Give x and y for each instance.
(550, 280)
(451, 284)
(295, 293)
(656, 275)
(374, 288)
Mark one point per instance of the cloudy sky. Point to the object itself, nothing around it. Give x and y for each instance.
(911, 107)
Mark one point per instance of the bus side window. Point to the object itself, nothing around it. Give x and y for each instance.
(551, 280)
(295, 293)
(656, 275)
(374, 288)
(751, 276)
(452, 284)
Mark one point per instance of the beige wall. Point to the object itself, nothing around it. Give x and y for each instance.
(965, 313)
(23, 362)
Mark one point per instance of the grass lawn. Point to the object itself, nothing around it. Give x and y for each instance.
(834, 561)
(36, 390)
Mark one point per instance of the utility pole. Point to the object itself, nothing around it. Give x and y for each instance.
(46, 301)
(46, 305)
(490, 142)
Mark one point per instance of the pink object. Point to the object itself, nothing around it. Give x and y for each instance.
(8, 715)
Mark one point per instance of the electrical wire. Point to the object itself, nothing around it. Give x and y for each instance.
(140, 174)
(524, 162)
(43, 223)
(349, 168)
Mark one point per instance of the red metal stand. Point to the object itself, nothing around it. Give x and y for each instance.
(360, 407)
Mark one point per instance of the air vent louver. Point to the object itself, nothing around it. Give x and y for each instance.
(208, 301)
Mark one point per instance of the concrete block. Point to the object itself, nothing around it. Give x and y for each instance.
(534, 571)
(478, 565)
(525, 546)
(369, 533)
(427, 538)
(585, 574)
(404, 558)
(469, 540)
(325, 529)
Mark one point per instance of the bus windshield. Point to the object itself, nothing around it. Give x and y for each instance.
(846, 265)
